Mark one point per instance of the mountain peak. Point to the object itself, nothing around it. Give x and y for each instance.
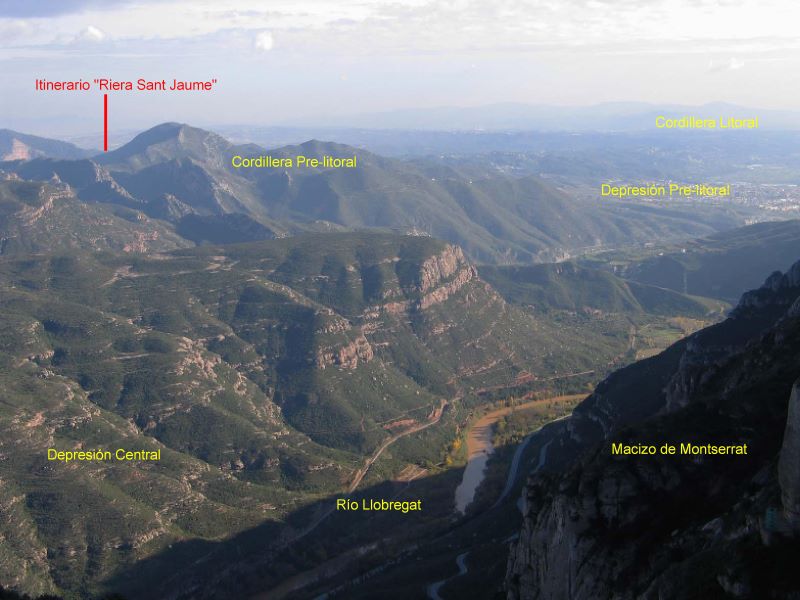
(166, 131)
(315, 145)
(165, 142)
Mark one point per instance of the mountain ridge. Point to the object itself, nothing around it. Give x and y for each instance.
(23, 146)
(174, 170)
(607, 116)
(632, 525)
(266, 373)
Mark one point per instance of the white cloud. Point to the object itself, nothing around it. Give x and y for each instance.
(264, 41)
(423, 52)
(370, 27)
(91, 34)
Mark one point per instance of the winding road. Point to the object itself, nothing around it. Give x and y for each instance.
(435, 417)
(479, 447)
(480, 454)
(514, 469)
(304, 579)
(461, 563)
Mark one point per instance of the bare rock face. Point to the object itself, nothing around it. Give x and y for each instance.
(789, 463)
(704, 354)
(794, 310)
(697, 366)
(440, 294)
(347, 355)
(779, 289)
(440, 277)
(662, 527)
(559, 554)
(440, 267)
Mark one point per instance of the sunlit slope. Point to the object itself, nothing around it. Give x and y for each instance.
(38, 217)
(567, 286)
(21, 146)
(181, 174)
(264, 373)
(723, 265)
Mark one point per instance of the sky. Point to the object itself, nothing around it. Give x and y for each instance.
(281, 62)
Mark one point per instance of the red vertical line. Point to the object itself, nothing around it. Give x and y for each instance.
(105, 122)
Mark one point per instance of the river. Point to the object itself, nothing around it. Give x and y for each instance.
(480, 447)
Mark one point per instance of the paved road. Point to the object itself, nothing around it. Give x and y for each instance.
(437, 415)
(515, 462)
(433, 589)
(479, 447)
(305, 578)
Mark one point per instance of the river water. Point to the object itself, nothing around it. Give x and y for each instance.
(479, 447)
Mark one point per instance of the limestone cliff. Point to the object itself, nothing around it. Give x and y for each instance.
(346, 355)
(789, 463)
(439, 267)
(599, 525)
(438, 278)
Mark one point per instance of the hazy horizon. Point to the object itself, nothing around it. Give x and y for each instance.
(497, 118)
(298, 63)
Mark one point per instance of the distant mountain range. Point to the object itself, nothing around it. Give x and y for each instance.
(611, 116)
(183, 175)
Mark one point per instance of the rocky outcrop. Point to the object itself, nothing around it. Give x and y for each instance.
(708, 350)
(347, 355)
(558, 554)
(599, 525)
(440, 277)
(789, 464)
(47, 198)
(19, 151)
(779, 290)
(442, 293)
(698, 364)
(439, 267)
(141, 240)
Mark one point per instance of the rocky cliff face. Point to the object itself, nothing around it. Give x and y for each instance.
(789, 463)
(346, 355)
(439, 267)
(438, 278)
(599, 525)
